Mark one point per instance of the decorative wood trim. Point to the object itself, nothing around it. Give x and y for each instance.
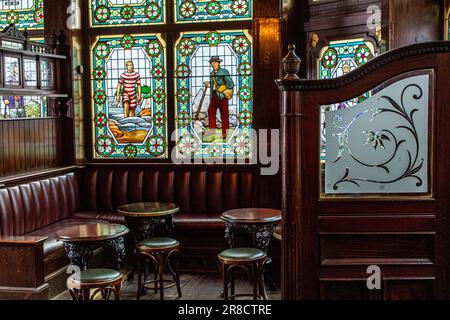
(369, 67)
(35, 175)
(22, 240)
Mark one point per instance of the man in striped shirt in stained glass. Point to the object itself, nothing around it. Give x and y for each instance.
(130, 89)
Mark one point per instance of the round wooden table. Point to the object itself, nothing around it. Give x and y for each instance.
(260, 223)
(142, 218)
(80, 241)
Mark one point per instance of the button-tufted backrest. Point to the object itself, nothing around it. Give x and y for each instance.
(195, 191)
(35, 205)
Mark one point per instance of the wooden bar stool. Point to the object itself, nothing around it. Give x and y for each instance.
(252, 260)
(105, 281)
(158, 251)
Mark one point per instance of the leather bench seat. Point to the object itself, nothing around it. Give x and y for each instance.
(111, 217)
(52, 245)
(92, 195)
(198, 221)
(183, 221)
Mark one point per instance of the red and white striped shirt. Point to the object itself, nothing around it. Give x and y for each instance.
(129, 81)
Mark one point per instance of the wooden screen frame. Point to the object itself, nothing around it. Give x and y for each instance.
(307, 221)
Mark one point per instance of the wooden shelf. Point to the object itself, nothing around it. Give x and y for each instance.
(32, 92)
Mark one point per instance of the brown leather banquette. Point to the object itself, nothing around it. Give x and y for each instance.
(202, 195)
(41, 208)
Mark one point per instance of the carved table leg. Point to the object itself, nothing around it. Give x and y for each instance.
(119, 249)
(229, 234)
(79, 254)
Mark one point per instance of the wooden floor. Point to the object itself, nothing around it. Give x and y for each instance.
(194, 286)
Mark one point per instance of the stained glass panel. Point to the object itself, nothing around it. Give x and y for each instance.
(338, 59)
(47, 68)
(23, 14)
(22, 107)
(212, 10)
(30, 72)
(12, 71)
(214, 93)
(129, 87)
(126, 12)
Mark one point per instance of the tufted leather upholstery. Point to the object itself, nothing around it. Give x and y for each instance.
(36, 205)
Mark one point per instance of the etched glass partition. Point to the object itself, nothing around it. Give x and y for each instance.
(338, 59)
(380, 145)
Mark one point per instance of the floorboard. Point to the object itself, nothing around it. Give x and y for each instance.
(194, 286)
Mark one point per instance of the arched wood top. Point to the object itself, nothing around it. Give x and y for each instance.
(424, 48)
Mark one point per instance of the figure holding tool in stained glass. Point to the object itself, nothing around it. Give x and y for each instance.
(222, 90)
(129, 90)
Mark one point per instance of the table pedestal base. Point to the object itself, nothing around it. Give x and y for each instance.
(80, 253)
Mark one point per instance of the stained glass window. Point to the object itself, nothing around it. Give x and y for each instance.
(126, 12)
(212, 10)
(129, 102)
(214, 91)
(336, 60)
(23, 14)
(22, 107)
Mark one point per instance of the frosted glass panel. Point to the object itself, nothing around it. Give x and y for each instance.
(380, 145)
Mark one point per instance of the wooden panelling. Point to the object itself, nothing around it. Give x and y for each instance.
(408, 289)
(29, 145)
(328, 243)
(400, 224)
(423, 23)
(376, 249)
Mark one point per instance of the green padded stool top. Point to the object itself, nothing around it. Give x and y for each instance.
(242, 254)
(158, 243)
(96, 275)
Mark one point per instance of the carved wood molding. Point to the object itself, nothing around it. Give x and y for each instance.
(376, 63)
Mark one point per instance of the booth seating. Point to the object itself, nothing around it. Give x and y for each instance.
(32, 213)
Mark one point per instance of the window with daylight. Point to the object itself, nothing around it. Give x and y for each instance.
(211, 97)
(126, 12)
(214, 94)
(200, 11)
(338, 59)
(129, 89)
(23, 14)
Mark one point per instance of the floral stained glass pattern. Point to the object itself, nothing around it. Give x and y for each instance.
(23, 14)
(126, 13)
(341, 57)
(129, 97)
(214, 94)
(212, 10)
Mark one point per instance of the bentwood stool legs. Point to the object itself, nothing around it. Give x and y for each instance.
(158, 251)
(104, 281)
(251, 260)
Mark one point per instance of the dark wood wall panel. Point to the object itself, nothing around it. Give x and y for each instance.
(376, 249)
(401, 289)
(29, 145)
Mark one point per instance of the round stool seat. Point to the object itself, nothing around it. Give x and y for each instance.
(158, 243)
(96, 275)
(247, 254)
